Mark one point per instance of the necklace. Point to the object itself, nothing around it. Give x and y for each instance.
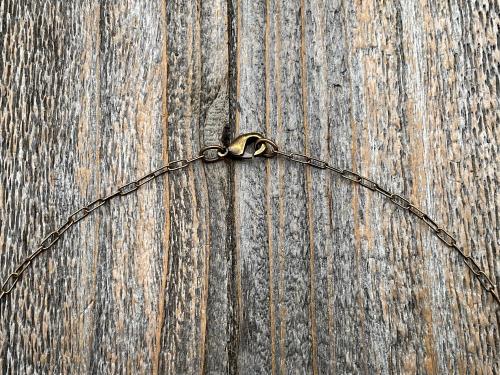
(247, 146)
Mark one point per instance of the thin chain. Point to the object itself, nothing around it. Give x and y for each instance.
(215, 153)
(404, 203)
(51, 239)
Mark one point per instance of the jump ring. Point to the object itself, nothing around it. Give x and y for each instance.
(269, 151)
(221, 153)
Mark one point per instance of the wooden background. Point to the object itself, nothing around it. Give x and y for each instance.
(263, 266)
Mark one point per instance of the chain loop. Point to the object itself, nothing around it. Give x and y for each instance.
(430, 223)
(334, 169)
(303, 159)
(144, 180)
(92, 206)
(417, 212)
(351, 176)
(485, 281)
(82, 213)
(128, 188)
(9, 283)
(446, 237)
(369, 184)
(400, 201)
(177, 164)
(384, 192)
(316, 163)
(473, 266)
(23, 266)
(50, 240)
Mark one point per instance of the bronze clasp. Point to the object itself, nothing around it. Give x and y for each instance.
(248, 145)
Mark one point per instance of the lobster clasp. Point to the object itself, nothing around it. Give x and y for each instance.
(248, 145)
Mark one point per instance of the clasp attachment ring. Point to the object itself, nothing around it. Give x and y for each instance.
(249, 145)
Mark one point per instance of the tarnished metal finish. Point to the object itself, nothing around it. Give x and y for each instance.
(241, 146)
(52, 238)
(404, 203)
(247, 146)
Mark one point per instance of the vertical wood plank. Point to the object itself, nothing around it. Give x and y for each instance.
(252, 278)
(195, 296)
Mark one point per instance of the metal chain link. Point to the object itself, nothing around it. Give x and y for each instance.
(404, 203)
(237, 150)
(52, 238)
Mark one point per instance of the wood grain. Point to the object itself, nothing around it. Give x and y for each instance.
(263, 266)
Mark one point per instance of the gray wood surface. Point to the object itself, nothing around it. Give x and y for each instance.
(264, 266)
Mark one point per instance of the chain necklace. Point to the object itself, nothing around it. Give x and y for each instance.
(247, 146)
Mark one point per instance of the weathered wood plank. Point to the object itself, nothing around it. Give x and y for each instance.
(258, 266)
(44, 173)
(196, 292)
(128, 258)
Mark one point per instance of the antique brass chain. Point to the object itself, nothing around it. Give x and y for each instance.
(404, 203)
(246, 146)
(51, 239)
